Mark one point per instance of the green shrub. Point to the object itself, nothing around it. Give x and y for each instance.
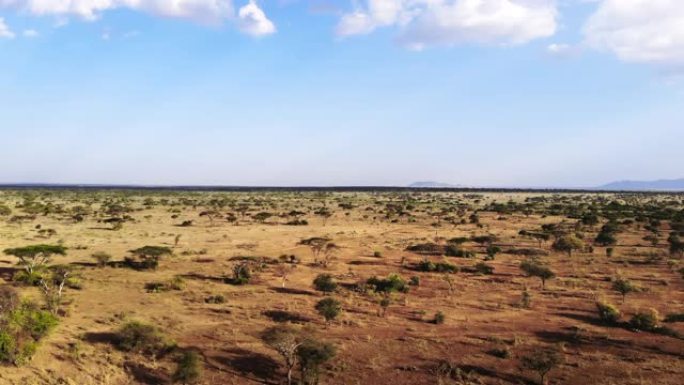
(608, 313)
(242, 274)
(329, 308)
(38, 323)
(155, 287)
(439, 318)
(28, 278)
(25, 352)
(215, 299)
(440, 267)
(483, 268)
(455, 251)
(8, 346)
(393, 283)
(23, 327)
(646, 320)
(325, 283)
(189, 369)
(311, 355)
(138, 337)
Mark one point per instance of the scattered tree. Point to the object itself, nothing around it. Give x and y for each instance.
(542, 361)
(36, 256)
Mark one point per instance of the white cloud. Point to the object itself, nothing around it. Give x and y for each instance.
(199, 10)
(644, 31)
(563, 50)
(30, 33)
(449, 22)
(5, 31)
(204, 11)
(253, 21)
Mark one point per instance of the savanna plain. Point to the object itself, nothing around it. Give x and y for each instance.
(340, 287)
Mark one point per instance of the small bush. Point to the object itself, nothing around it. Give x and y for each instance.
(455, 251)
(101, 258)
(26, 325)
(329, 308)
(608, 313)
(325, 283)
(138, 337)
(440, 267)
(28, 278)
(502, 352)
(189, 369)
(646, 320)
(242, 274)
(439, 318)
(483, 268)
(38, 323)
(393, 283)
(312, 355)
(215, 299)
(8, 346)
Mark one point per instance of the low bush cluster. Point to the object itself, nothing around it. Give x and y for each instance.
(22, 325)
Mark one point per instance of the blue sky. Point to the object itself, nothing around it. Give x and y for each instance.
(295, 92)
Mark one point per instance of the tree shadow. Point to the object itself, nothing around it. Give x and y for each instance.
(7, 273)
(203, 277)
(367, 263)
(287, 290)
(146, 375)
(285, 316)
(101, 338)
(582, 318)
(458, 372)
(580, 339)
(249, 364)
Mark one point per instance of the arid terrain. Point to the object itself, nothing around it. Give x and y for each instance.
(456, 299)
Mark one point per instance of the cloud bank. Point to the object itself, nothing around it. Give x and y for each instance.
(424, 23)
(254, 21)
(5, 31)
(642, 31)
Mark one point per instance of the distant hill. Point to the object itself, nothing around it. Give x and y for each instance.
(433, 185)
(656, 185)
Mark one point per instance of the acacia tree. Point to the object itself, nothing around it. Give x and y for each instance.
(285, 340)
(316, 244)
(312, 354)
(542, 361)
(283, 271)
(52, 287)
(149, 256)
(533, 268)
(568, 243)
(329, 252)
(624, 287)
(676, 244)
(36, 256)
(211, 214)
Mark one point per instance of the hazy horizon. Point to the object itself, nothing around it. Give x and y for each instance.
(484, 93)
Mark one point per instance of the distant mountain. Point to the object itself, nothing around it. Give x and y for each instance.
(433, 185)
(656, 185)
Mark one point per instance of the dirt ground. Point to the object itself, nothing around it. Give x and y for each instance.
(482, 312)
